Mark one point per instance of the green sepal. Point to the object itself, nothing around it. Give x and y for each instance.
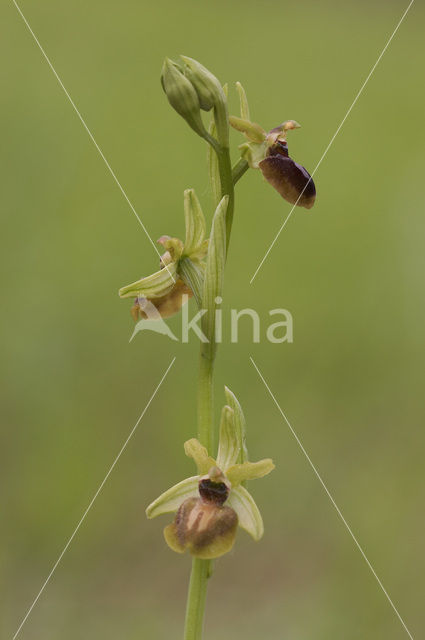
(192, 274)
(195, 224)
(154, 286)
(249, 471)
(249, 515)
(239, 424)
(213, 167)
(229, 443)
(214, 272)
(195, 450)
(251, 130)
(243, 101)
(170, 500)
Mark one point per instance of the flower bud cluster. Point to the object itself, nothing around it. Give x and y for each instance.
(190, 88)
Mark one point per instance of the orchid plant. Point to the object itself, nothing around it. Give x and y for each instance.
(210, 505)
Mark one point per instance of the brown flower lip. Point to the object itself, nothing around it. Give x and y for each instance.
(290, 179)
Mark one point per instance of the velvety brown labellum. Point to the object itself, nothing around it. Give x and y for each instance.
(288, 177)
(202, 527)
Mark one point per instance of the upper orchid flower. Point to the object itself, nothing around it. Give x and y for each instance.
(269, 153)
(163, 293)
(211, 504)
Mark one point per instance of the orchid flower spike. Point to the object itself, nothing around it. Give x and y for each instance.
(165, 289)
(211, 504)
(269, 153)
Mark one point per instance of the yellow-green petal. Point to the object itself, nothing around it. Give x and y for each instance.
(241, 501)
(194, 449)
(249, 471)
(252, 131)
(170, 500)
(243, 100)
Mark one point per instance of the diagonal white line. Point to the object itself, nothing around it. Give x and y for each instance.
(332, 140)
(89, 132)
(94, 498)
(319, 477)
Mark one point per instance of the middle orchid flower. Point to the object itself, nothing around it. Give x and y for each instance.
(163, 293)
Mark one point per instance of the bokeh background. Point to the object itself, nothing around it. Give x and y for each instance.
(351, 272)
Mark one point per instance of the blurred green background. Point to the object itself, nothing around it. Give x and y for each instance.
(351, 272)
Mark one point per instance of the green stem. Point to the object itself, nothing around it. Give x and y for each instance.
(205, 398)
(239, 169)
(201, 569)
(196, 599)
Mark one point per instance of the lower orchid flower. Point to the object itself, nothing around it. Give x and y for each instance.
(211, 505)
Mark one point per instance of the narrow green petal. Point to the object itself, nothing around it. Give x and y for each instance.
(243, 102)
(194, 449)
(249, 471)
(252, 131)
(170, 500)
(195, 222)
(229, 442)
(248, 513)
(154, 286)
(240, 424)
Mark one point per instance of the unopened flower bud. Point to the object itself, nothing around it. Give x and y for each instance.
(210, 94)
(182, 96)
(207, 86)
